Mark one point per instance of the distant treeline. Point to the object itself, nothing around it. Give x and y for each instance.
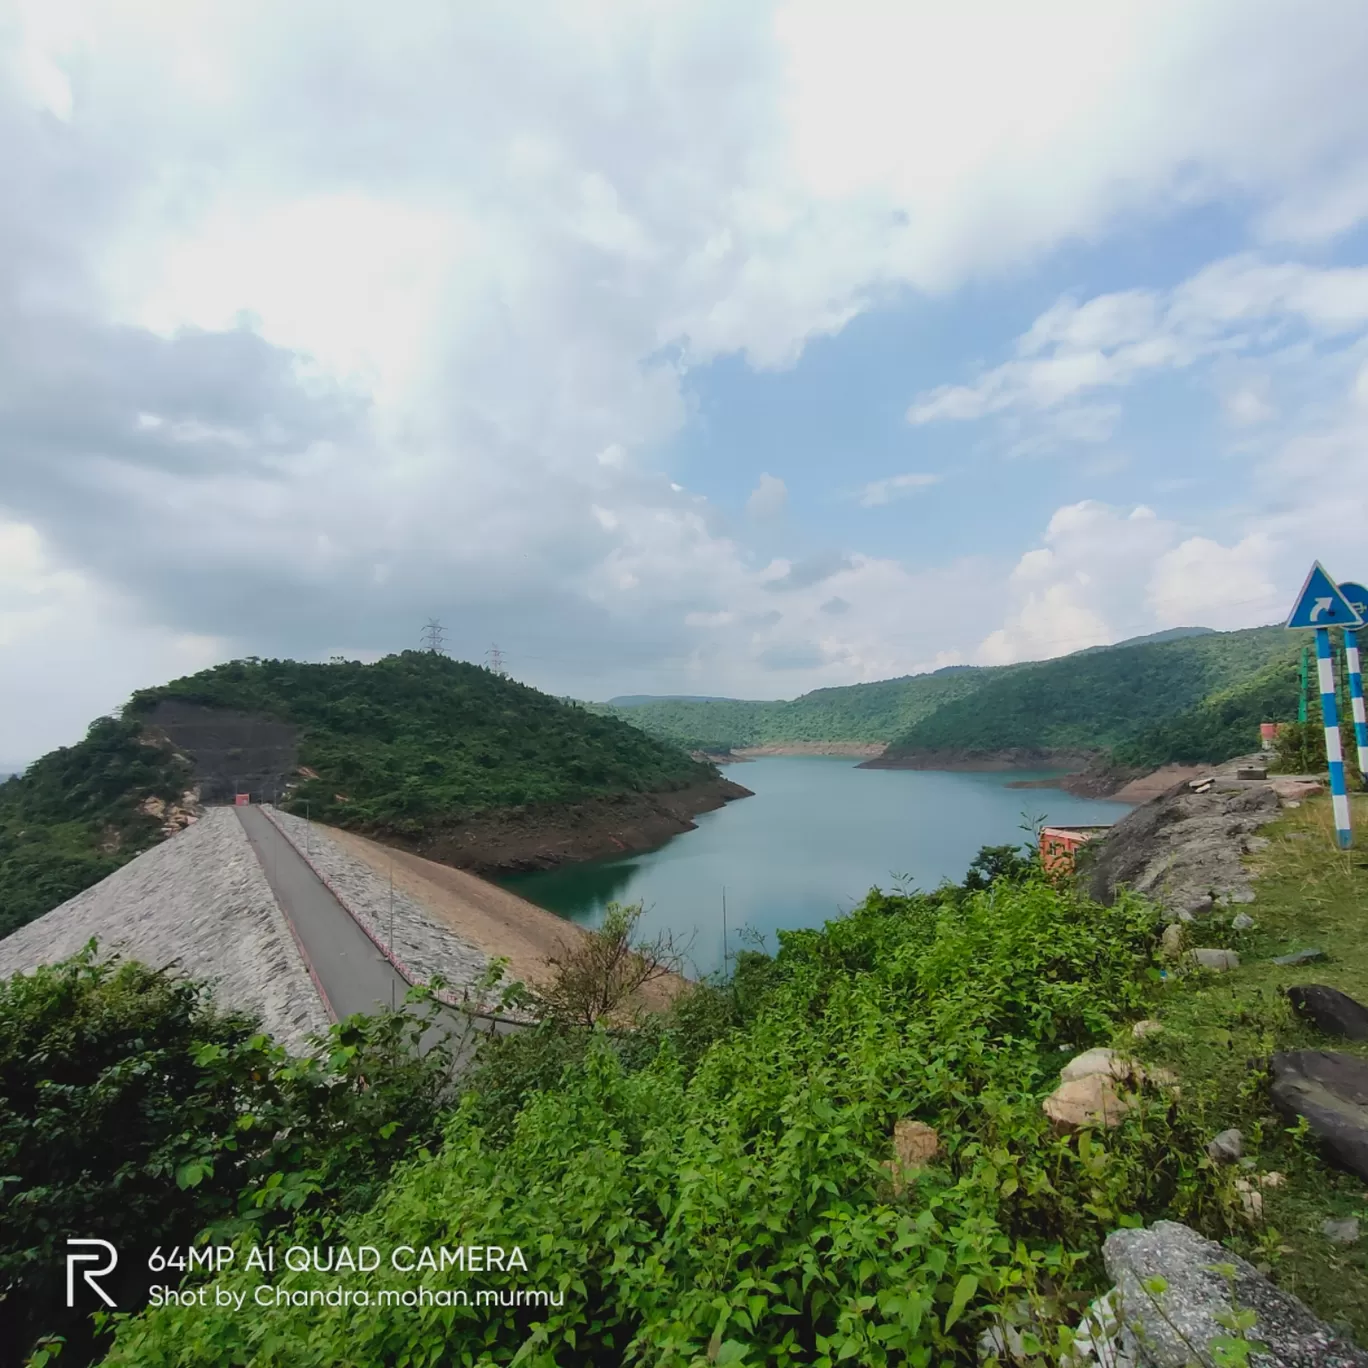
(1194, 697)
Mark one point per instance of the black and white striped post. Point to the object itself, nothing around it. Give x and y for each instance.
(1320, 605)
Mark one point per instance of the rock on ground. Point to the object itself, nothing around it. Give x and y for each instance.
(1183, 846)
(1330, 1011)
(1176, 1327)
(1330, 1089)
(422, 945)
(201, 901)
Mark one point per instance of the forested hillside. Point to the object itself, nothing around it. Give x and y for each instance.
(412, 740)
(1185, 695)
(79, 813)
(1105, 700)
(856, 713)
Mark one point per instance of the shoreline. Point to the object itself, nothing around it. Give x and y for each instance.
(743, 754)
(988, 762)
(524, 840)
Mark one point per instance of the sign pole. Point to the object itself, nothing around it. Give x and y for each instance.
(1351, 653)
(1322, 605)
(1356, 596)
(1339, 797)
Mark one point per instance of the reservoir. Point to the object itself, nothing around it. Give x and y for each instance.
(817, 835)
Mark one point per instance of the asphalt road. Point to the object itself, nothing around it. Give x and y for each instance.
(355, 976)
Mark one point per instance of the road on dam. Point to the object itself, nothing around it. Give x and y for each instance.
(353, 974)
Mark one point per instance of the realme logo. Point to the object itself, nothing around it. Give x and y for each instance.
(90, 1274)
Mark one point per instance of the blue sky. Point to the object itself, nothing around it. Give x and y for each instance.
(675, 346)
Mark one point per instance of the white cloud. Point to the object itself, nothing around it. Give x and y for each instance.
(1229, 307)
(768, 499)
(879, 492)
(511, 234)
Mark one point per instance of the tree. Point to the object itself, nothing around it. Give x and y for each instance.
(597, 978)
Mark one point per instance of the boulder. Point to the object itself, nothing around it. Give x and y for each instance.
(1226, 1147)
(1148, 1027)
(1300, 957)
(1100, 1061)
(1218, 961)
(915, 1144)
(1242, 921)
(1082, 1102)
(1345, 1232)
(1330, 1089)
(1176, 1327)
(1330, 1011)
(1171, 942)
(1090, 1089)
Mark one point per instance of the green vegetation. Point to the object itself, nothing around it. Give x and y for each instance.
(1220, 1032)
(857, 713)
(412, 742)
(132, 1110)
(1106, 700)
(715, 1189)
(77, 814)
(718, 1186)
(1185, 695)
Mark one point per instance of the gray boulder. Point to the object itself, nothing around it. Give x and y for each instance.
(1330, 1090)
(1175, 1328)
(1309, 956)
(1226, 1147)
(1330, 1011)
(1218, 961)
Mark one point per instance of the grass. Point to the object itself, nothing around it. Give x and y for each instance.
(1219, 1031)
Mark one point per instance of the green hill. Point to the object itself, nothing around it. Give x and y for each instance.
(856, 713)
(1105, 700)
(1185, 694)
(394, 747)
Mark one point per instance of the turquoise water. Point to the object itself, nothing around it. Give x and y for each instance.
(817, 835)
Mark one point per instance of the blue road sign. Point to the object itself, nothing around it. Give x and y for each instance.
(1320, 604)
(1356, 596)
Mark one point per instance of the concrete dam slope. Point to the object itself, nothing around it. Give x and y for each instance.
(290, 925)
(352, 973)
(199, 901)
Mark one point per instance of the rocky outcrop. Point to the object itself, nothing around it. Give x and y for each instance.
(1177, 1326)
(1185, 849)
(1330, 1011)
(1330, 1090)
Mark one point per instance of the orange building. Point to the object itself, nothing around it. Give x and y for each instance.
(1059, 846)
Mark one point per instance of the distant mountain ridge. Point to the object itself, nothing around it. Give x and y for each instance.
(639, 700)
(1095, 700)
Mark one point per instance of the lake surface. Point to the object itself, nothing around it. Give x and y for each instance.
(817, 835)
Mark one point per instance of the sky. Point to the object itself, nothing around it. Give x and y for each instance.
(673, 347)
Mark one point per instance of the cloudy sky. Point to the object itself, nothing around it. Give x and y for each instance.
(675, 347)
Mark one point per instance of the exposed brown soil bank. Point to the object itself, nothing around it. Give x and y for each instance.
(490, 917)
(520, 840)
(983, 761)
(869, 749)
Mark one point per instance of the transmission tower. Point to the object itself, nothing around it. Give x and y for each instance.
(434, 637)
(496, 661)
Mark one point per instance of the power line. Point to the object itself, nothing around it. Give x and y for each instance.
(434, 637)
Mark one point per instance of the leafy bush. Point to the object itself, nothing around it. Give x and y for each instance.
(133, 1111)
(739, 1212)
